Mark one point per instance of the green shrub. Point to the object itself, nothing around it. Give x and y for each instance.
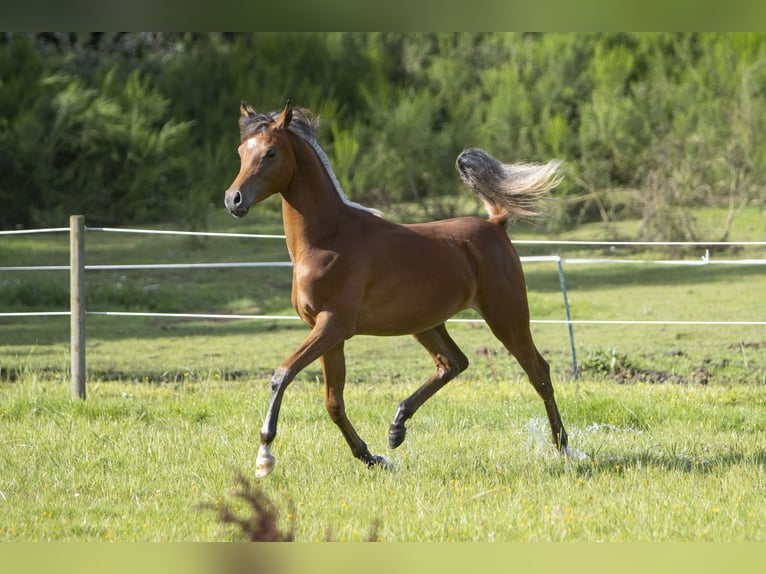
(142, 127)
(607, 362)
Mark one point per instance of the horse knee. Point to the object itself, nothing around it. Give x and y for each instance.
(280, 379)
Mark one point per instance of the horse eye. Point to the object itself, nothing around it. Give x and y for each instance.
(271, 152)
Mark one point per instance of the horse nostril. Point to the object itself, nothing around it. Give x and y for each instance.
(236, 199)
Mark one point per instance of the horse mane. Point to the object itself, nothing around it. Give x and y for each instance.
(303, 126)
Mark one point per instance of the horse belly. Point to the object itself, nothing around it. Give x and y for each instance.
(413, 302)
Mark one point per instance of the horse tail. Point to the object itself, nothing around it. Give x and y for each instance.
(509, 191)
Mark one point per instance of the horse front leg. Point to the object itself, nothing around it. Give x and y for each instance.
(324, 336)
(264, 462)
(334, 371)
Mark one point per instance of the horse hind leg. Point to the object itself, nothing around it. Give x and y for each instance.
(517, 338)
(539, 374)
(450, 362)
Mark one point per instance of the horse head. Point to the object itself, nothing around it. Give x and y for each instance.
(267, 162)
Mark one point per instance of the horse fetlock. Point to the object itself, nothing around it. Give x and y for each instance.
(264, 462)
(375, 460)
(561, 440)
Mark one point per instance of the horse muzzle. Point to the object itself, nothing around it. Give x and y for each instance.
(235, 203)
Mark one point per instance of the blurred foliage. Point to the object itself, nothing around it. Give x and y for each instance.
(142, 127)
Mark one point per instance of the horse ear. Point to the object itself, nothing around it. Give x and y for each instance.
(246, 111)
(286, 116)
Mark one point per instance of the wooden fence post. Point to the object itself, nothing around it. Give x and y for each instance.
(77, 303)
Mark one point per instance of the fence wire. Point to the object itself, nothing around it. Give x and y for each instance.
(704, 260)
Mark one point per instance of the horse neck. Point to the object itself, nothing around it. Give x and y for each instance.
(311, 206)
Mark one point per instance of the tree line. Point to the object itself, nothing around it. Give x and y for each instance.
(142, 127)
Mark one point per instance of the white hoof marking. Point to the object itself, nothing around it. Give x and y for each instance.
(264, 463)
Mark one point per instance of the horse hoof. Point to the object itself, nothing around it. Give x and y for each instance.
(396, 436)
(264, 466)
(380, 462)
(264, 463)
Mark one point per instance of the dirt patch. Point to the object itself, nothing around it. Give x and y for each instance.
(753, 345)
(700, 376)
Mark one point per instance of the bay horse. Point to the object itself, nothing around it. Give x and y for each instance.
(354, 272)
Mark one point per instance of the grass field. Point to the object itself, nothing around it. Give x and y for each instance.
(667, 422)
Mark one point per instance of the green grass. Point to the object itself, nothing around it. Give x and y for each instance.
(659, 462)
(667, 421)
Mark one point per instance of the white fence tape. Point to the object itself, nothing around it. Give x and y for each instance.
(526, 259)
(704, 260)
(32, 231)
